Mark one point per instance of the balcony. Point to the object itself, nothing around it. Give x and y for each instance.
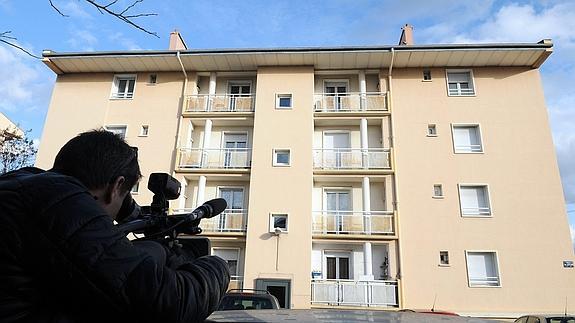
(352, 158)
(350, 222)
(231, 220)
(224, 158)
(350, 102)
(219, 103)
(374, 293)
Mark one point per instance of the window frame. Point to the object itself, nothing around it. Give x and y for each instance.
(125, 126)
(271, 221)
(441, 264)
(281, 96)
(428, 70)
(471, 81)
(489, 203)
(432, 126)
(155, 78)
(238, 271)
(497, 268)
(115, 83)
(142, 130)
(441, 189)
(275, 163)
(467, 125)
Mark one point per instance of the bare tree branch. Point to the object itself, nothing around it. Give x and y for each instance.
(57, 10)
(3, 37)
(121, 14)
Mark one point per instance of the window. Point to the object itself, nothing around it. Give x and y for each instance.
(437, 191)
(431, 130)
(279, 221)
(474, 200)
(135, 188)
(284, 101)
(144, 130)
(153, 79)
(482, 269)
(426, 75)
(123, 87)
(231, 256)
(281, 157)
(444, 258)
(467, 139)
(118, 130)
(459, 83)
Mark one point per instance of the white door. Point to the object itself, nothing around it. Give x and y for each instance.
(228, 220)
(235, 150)
(337, 265)
(337, 152)
(236, 91)
(335, 91)
(338, 206)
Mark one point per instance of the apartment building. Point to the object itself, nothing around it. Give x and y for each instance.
(375, 177)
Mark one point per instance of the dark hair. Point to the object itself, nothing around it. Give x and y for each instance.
(97, 158)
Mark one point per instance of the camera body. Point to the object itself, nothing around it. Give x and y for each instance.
(154, 222)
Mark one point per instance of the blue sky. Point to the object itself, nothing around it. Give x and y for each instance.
(26, 84)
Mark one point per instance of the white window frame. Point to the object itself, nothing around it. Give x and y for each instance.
(223, 187)
(271, 221)
(281, 96)
(114, 90)
(496, 258)
(434, 126)
(489, 205)
(142, 130)
(337, 254)
(471, 81)
(239, 82)
(467, 125)
(441, 188)
(326, 189)
(336, 81)
(448, 264)
(423, 75)
(150, 78)
(239, 272)
(275, 154)
(106, 127)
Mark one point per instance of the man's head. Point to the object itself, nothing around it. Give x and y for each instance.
(104, 163)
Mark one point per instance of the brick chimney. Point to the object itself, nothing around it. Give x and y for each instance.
(406, 37)
(177, 41)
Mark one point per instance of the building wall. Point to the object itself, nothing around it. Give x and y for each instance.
(282, 189)
(528, 227)
(81, 102)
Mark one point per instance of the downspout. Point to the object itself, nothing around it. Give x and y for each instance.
(395, 200)
(180, 115)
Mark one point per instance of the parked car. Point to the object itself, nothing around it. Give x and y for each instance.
(248, 299)
(546, 318)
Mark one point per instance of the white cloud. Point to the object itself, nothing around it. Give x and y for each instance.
(123, 41)
(16, 79)
(82, 40)
(572, 228)
(72, 9)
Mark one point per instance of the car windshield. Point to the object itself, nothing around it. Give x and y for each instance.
(242, 302)
(568, 319)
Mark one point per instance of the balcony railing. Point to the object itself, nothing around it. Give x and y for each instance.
(484, 281)
(350, 102)
(350, 222)
(475, 148)
(228, 158)
(231, 220)
(220, 103)
(476, 210)
(461, 92)
(354, 293)
(351, 158)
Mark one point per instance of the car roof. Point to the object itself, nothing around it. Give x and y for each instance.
(335, 315)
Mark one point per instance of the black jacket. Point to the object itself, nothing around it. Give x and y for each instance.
(62, 260)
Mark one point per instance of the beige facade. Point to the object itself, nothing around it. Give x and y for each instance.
(397, 177)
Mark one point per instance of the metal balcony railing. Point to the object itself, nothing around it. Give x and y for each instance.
(381, 293)
(476, 210)
(476, 148)
(220, 103)
(227, 158)
(351, 158)
(461, 92)
(350, 222)
(350, 102)
(231, 220)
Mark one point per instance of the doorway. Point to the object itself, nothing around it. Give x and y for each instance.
(280, 288)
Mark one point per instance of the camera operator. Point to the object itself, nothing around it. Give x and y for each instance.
(62, 259)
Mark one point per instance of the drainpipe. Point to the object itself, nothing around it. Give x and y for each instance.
(396, 201)
(177, 145)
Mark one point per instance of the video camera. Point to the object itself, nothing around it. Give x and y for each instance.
(154, 222)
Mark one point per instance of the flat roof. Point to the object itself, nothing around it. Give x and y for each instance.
(343, 57)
